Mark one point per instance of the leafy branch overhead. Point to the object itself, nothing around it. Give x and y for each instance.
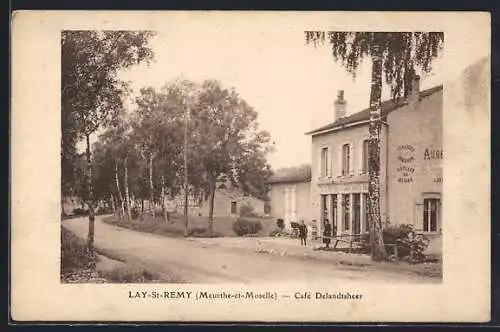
(403, 53)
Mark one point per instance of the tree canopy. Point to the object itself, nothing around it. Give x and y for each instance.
(403, 53)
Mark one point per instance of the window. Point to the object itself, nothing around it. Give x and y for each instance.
(324, 162)
(431, 214)
(234, 208)
(346, 150)
(324, 208)
(364, 166)
(346, 210)
(334, 212)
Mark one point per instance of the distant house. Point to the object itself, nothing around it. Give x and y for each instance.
(290, 194)
(227, 203)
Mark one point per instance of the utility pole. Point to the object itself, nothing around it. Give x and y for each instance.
(186, 116)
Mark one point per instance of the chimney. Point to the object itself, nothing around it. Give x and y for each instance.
(414, 96)
(340, 105)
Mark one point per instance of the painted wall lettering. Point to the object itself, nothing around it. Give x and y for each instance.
(431, 154)
(406, 156)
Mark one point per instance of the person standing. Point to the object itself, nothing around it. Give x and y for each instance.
(303, 233)
(327, 233)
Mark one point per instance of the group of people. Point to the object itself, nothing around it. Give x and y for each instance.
(327, 233)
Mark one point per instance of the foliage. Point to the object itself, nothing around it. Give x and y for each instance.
(244, 226)
(202, 232)
(277, 232)
(403, 53)
(225, 141)
(411, 246)
(91, 93)
(131, 274)
(246, 210)
(74, 253)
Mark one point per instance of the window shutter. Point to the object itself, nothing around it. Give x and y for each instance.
(338, 171)
(320, 162)
(360, 157)
(330, 162)
(351, 159)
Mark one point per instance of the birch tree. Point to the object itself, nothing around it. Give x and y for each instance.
(91, 90)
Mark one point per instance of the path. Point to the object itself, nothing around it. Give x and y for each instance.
(198, 262)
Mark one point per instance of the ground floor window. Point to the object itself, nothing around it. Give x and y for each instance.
(324, 208)
(334, 203)
(431, 214)
(346, 202)
(234, 208)
(356, 213)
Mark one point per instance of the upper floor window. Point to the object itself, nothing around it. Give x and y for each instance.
(324, 162)
(364, 165)
(346, 159)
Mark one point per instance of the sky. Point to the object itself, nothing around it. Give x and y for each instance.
(291, 85)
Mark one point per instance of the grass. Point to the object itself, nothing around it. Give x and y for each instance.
(77, 266)
(223, 226)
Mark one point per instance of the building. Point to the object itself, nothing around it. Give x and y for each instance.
(227, 203)
(290, 194)
(410, 167)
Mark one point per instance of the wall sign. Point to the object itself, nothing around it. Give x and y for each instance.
(406, 157)
(433, 154)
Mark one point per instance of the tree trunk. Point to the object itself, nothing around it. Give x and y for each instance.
(122, 207)
(113, 205)
(142, 209)
(211, 208)
(127, 194)
(151, 188)
(375, 124)
(90, 238)
(163, 209)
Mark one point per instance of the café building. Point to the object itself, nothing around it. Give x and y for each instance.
(410, 167)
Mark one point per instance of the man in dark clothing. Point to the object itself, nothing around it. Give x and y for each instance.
(303, 233)
(327, 234)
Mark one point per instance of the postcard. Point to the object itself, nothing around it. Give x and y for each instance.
(243, 166)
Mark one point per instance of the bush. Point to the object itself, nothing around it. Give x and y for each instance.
(80, 212)
(281, 224)
(411, 246)
(202, 232)
(130, 274)
(246, 210)
(104, 210)
(278, 232)
(74, 253)
(244, 226)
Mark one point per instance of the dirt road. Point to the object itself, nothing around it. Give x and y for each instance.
(196, 262)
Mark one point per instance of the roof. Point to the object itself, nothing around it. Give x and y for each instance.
(234, 193)
(291, 174)
(364, 115)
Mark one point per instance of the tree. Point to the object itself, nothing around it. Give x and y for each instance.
(398, 55)
(226, 142)
(91, 90)
(157, 136)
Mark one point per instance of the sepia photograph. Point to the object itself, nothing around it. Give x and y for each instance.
(174, 168)
(215, 157)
